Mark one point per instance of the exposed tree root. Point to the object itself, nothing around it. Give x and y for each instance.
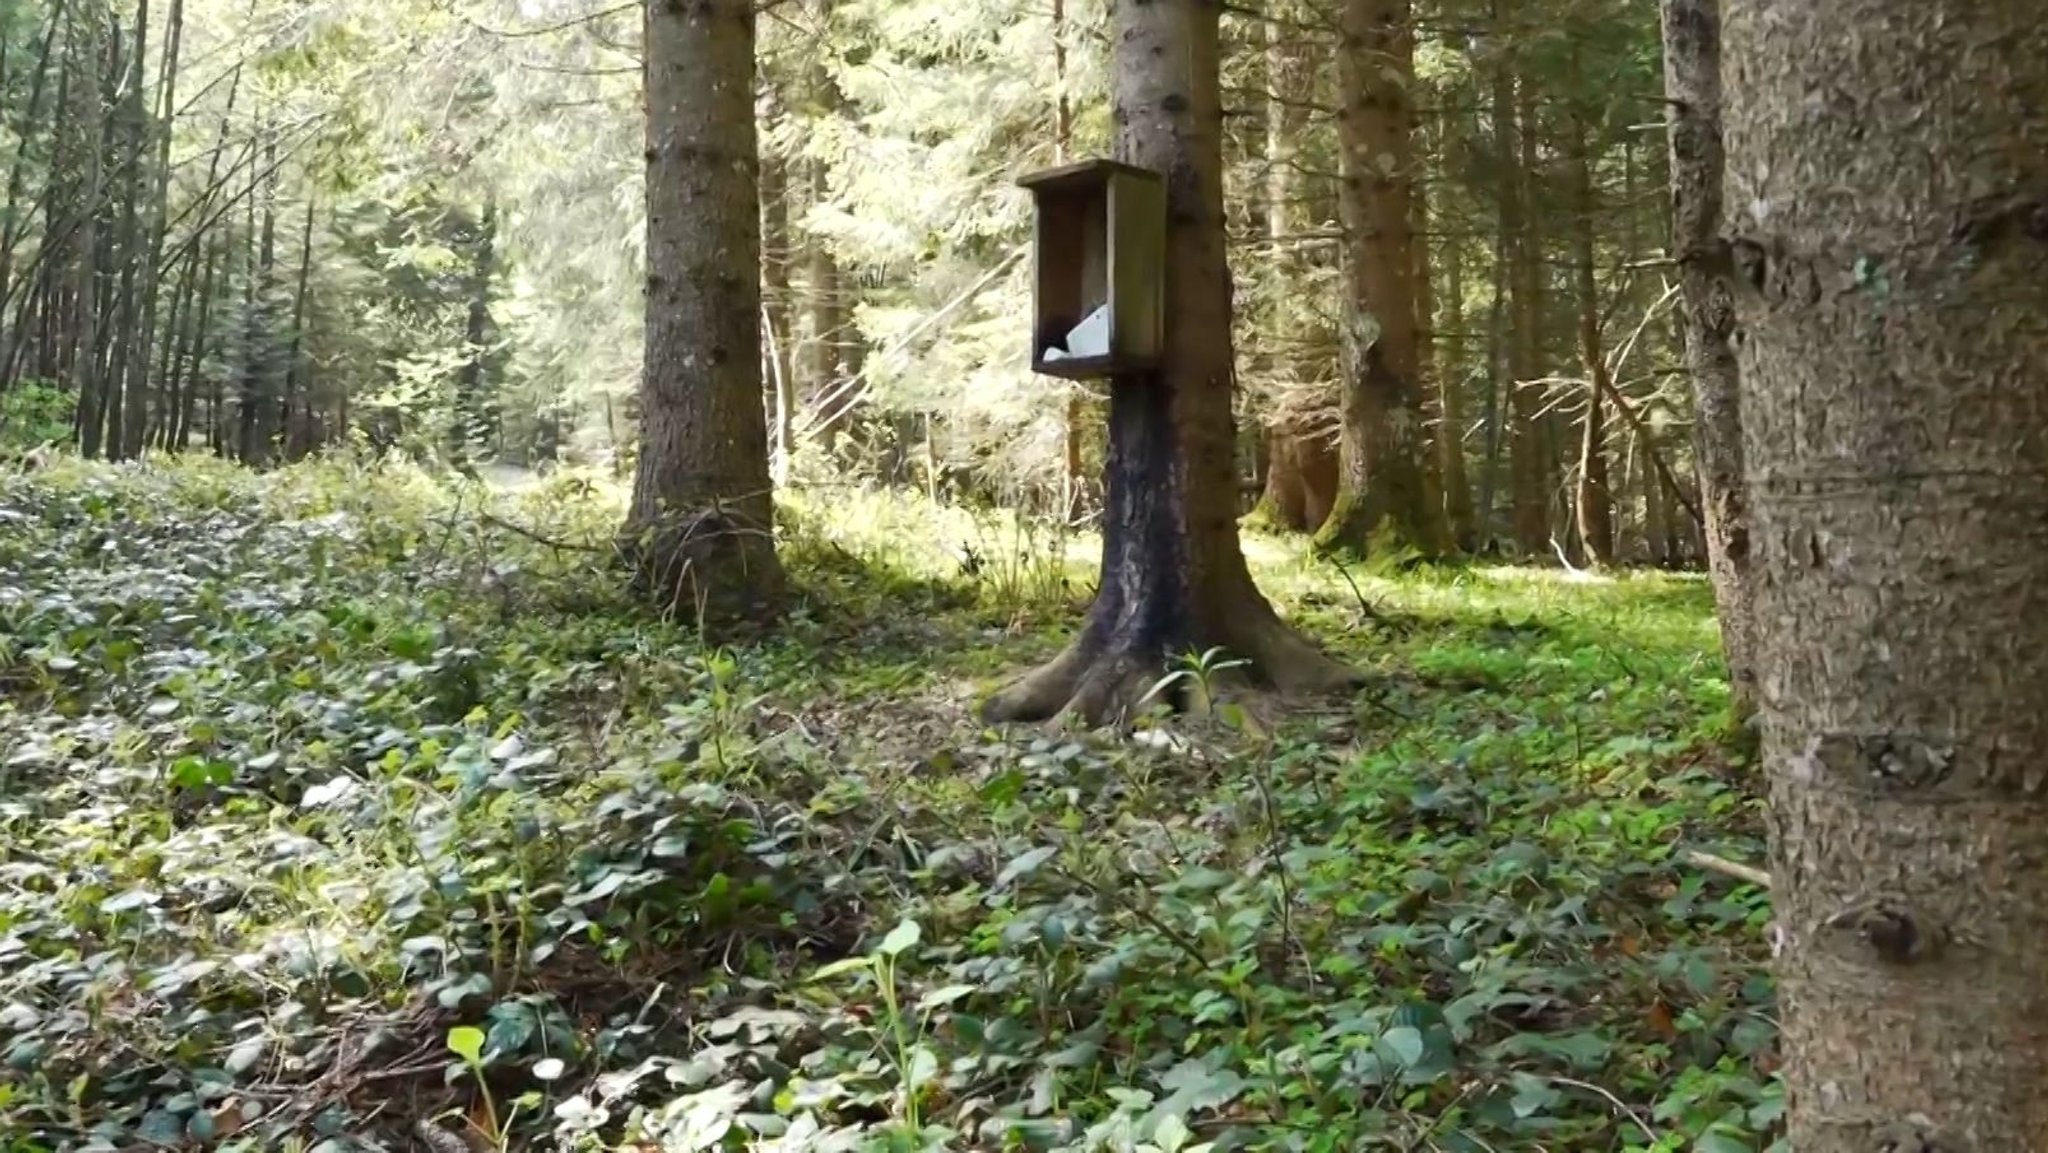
(1097, 682)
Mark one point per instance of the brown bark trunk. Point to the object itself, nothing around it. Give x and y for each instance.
(296, 382)
(1692, 80)
(1458, 510)
(702, 516)
(1174, 578)
(1380, 497)
(1300, 482)
(1894, 368)
(1593, 496)
(1436, 530)
(84, 334)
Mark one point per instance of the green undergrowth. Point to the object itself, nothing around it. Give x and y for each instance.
(341, 809)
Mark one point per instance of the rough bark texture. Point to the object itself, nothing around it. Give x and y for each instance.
(1301, 481)
(1888, 211)
(1692, 81)
(701, 525)
(1174, 579)
(1381, 488)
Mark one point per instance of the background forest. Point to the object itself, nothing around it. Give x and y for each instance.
(468, 683)
(261, 229)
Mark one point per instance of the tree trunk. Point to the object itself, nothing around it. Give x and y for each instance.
(129, 248)
(1436, 529)
(1530, 455)
(775, 350)
(1894, 368)
(296, 438)
(1458, 513)
(1174, 578)
(84, 361)
(1380, 485)
(1300, 483)
(702, 520)
(1692, 79)
(11, 230)
(155, 225)
(1593, 494)
(254, 438)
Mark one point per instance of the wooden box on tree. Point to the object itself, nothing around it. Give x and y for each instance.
(1098, 302)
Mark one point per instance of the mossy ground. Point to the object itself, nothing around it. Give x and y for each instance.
(311, 782)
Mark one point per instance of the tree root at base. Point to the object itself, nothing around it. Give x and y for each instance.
(1097, 682)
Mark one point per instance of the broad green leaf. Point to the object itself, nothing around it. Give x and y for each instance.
(902, 937)
(467, 1042)
(1404, 1044)
(1026, 864)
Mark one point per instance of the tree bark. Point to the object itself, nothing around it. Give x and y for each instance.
(84, 361)
(1458, 512)
(1300, 483)
(1593, 496)
(1894, 367)
(702, 519)
(1174, 578)
(1529, 452)
(156, 227)
(1380, 497)
(1692, 80)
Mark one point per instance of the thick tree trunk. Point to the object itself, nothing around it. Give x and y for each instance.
(1894, 367)
(1380, 488)
(1692, 80)
(1301, 481)
(1174, 578)
(1593, 496)
(702, 519)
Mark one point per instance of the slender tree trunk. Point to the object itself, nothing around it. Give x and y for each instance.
(1436, 529)
(1594, 496)
(1458, 512)
(776, 334)
(1174, 578)
(11, 214)
(129, 248)
(1692, 78)
(1501, 360)
(155, 226)
(296, 385)
(702, 519)
(1530, 453)
(84, 360)
(1380, 486)
(258, 371)
(1894, 368)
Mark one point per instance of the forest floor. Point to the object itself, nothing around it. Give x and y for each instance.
(340, 811)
